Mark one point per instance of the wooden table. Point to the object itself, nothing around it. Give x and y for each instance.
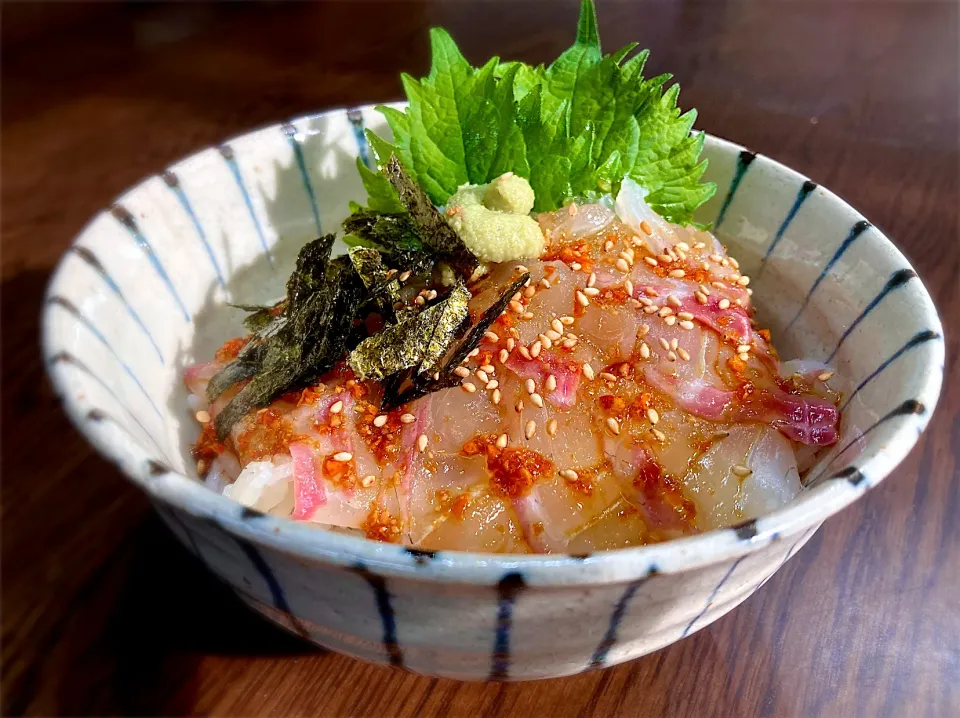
(104, 613)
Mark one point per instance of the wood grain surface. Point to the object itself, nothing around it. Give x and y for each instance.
(103, 613)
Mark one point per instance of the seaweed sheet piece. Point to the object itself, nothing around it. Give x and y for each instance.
(435, 233)
(404, 389)
(260, 315)
(390, 232)
(381, 283)
(322, 299)
(419, 340)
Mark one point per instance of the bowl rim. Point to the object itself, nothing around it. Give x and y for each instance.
(795, 521)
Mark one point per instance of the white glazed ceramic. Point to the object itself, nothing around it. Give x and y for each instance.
(140, 295)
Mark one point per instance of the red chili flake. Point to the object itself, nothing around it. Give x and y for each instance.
(381, 526)
(230, 349)
(765, 333)
(268, 435)
(513, 470)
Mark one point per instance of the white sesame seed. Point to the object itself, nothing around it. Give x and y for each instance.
(644, 350)
(368, 481)
(530, 386)
(661, 437)
(673, 301)
(551, 383)
(646, 301)
(738, 302)
(535, 349)
(724, 262)
(665, 312)
(703, 288)
(524, 352)
(743, 281)
(743, 357)
(665, 258)
(743, 348)
(492, 336)
(643, 330)
(469, 387)
(652, 415)
(628, 286)
(422, 442)
(718, 285)
(511, 343)
(380, 421)
(343, 456)
(645, 226)
(582, 299)
(684, 315)
(733, 262)
(462, 372)
(826, 376)
(516, 306)
(419, 301)
(674, 343)
(527, 315)
(624, 369)
(517, 296)
(592, 279)
(432, 294)
(503, 355)
(537, 400)
(651, 261)
(404, 276)
(407, 418)
(502, 441)
(749, 292)
(670, 321)
(588, 372)
(567, 320)
(473, 353)
(607, 376)
(741, 470)
(672, 356)
(677, 273)
(591, 291)
(651, 309)
(492, 384)
(519, 406)
(651, 292)
(569, 474)
(521, 268)
(608, 245)
(569, 343)
(482, 376)
(203, 416)
(613, 425)
(683, 354)
(337, 407)
(495, 398)
(545, 341)
(545, 283)
(530, 429)
(552, 427)
(529, 292)
(634, 303)
(686, 324)
(724, 304)
(665, 344)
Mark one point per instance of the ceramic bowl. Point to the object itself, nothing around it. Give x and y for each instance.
(140, 295)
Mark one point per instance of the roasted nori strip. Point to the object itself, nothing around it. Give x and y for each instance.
(381, 283)
(419, 340)
(322, 300)
(389, 232)
(260, 315)
(394, 391)
(437, 236)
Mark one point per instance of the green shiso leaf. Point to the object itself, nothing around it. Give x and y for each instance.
(574, 128)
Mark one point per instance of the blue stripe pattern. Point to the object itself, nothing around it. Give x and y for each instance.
(711, 597)
(263, 568)
(907, 408)
(508, 589)
(610, 638)
(805, 189)
(122, 215)
(744, 159)
(363, 149)
(91, 259)
(173, 183)
(72, 309)
(293, 136)
(897, 280)
(915, 341)
(385, 609)
(855, 232)
(64, 357)
(226, 151)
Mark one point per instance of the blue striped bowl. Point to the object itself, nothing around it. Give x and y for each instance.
(141, 294)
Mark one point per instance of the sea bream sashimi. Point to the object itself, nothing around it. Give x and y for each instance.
(623, 397)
